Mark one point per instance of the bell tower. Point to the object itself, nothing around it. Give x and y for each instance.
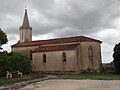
(25, 30)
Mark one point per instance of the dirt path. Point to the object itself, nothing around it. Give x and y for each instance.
(68, 84)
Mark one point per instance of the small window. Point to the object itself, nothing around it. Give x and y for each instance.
(64, 57)
(30, 54)
(44, 58)
(90, 51)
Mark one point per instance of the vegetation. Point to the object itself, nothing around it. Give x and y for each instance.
(32, 76)
(90, 76)
(3, 38)
(116, 56)
(26, 77)
(108, 68)
(13, 62)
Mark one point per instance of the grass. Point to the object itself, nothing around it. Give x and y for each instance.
(91, 76)
(5, 81)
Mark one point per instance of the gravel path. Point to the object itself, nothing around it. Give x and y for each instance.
(69, 84)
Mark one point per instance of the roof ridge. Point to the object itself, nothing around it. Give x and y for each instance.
(64, 38)
(57, 41)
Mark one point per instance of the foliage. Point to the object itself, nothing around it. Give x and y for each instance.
(3, 38)
(30, 76)
(116, 56)
(13, 62)
(108, 68)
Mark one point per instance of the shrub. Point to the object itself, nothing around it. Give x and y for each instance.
(13, 62)
(116, 56)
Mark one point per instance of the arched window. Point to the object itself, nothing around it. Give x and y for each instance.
(64, 57)
(30, 54)
(90, 51)
(44, 58)
(90, 56)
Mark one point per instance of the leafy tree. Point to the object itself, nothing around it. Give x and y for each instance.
(116, 56)
(19, 61)
(14, 61)
(3, 38)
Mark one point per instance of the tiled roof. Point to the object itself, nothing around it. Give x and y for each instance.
(55, 48)
(56, 41)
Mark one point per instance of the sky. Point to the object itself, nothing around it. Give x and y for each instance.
(99, 19)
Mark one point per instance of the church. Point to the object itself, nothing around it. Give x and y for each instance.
(67, 54)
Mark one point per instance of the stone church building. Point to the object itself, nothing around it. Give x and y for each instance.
(71, 54)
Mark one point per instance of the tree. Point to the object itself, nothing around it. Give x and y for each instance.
(19, 61)
(3, 38)
(116, 56)
(13, 62)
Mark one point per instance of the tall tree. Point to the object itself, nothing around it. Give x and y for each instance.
(3, 38)
(116, 56)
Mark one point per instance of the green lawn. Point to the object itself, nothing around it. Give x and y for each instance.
(5, 81)
(91, 76)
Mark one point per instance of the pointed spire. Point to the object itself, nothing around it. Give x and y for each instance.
(25, 24)
(25, 20)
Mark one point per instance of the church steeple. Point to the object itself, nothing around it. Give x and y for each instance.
(26, 21)
(25, 29)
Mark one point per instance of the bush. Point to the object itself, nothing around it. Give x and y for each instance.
(116, 56)
(13, 62)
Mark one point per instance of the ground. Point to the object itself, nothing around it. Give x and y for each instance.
(70, 84)
(83, 81)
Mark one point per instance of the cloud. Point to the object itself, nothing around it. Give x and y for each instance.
(99, 19)
(109, 37)
(85, 16)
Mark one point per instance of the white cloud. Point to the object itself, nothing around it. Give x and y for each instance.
(43, 37)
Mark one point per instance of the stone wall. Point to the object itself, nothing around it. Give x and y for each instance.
(54, 61)
(85, 60)
(25, 35)
(25, 50)
(77, 60)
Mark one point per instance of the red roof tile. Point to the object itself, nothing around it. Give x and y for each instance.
(55, 41)
(55, 48)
